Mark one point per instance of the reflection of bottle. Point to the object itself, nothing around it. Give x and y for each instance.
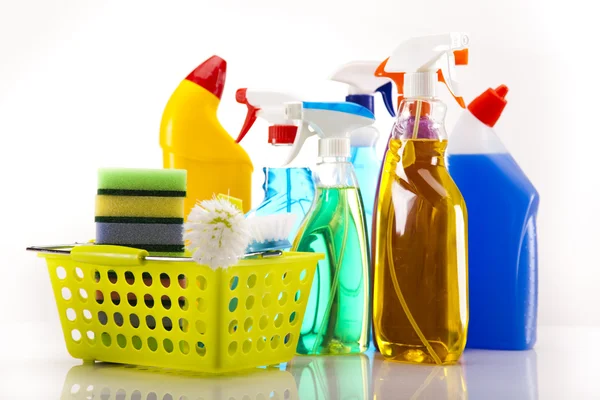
(499, 375)
(337, 318)
(403, 381)
(110, 381)
(420, 234)
(324, 378)
(288, 189)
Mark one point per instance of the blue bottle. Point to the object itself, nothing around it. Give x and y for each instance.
(502, 207)
(287, 190)
(363, 84)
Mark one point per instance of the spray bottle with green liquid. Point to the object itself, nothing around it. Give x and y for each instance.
(338, 314)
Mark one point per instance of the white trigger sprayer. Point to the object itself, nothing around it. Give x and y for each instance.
(332, 122)
(417, 64)
(267, 105)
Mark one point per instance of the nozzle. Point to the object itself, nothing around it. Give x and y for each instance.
(210, 75)
(488, 106)
(502, 91)
(240, 97)
(461, 57)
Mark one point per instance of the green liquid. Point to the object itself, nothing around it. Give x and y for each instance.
(338, 313)
(325, 378)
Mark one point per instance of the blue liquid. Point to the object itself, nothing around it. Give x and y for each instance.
(502, 207)
(366, 167)
(287, 190)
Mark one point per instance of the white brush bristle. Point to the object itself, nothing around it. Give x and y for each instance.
(216, 233)
(271, 227)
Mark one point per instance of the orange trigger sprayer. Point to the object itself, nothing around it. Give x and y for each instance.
(461, 57)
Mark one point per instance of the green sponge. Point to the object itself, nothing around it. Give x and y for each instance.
(142, 182)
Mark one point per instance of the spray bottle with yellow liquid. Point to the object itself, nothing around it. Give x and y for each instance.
(193, 139)
(420, 304)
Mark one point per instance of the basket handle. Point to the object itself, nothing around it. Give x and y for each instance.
(109, 255)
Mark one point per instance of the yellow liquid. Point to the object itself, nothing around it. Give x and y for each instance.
(420, 306)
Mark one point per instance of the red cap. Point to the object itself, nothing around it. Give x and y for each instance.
(210, 75)
(282, 134)
(489, 105)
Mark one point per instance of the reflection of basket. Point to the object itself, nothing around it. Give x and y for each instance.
(110, 381)
(115, 305)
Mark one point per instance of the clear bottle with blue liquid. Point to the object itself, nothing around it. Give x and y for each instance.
(289, 189)
(363, 84)
(502, 204)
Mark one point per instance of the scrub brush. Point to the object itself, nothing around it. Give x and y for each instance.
(216, 233)
(270, 232)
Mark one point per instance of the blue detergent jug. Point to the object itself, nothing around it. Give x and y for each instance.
(502, 207)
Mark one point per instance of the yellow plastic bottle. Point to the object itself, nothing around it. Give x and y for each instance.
(420, 300)
(193, 139)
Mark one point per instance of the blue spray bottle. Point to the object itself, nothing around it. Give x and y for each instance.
(502, 205)
(288, 189)
(363, 84)
(338, 313)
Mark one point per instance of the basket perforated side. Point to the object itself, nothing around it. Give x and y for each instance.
(183, 315)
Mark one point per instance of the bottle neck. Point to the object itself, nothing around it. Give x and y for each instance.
(420, 119)
(334, 149)
(420, 84)
(335, 172)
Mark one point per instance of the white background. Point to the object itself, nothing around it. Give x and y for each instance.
(83, 85)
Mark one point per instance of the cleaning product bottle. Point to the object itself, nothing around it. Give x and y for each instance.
(193, 139)
(337, 317)
(420, 300)
(287, 189)
(503, 207)
(362, 85)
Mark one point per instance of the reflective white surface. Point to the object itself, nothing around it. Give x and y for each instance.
(561, 366)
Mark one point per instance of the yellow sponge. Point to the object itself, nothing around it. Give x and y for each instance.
(139, 206)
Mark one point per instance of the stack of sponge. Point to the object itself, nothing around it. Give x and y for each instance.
(141, 208)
